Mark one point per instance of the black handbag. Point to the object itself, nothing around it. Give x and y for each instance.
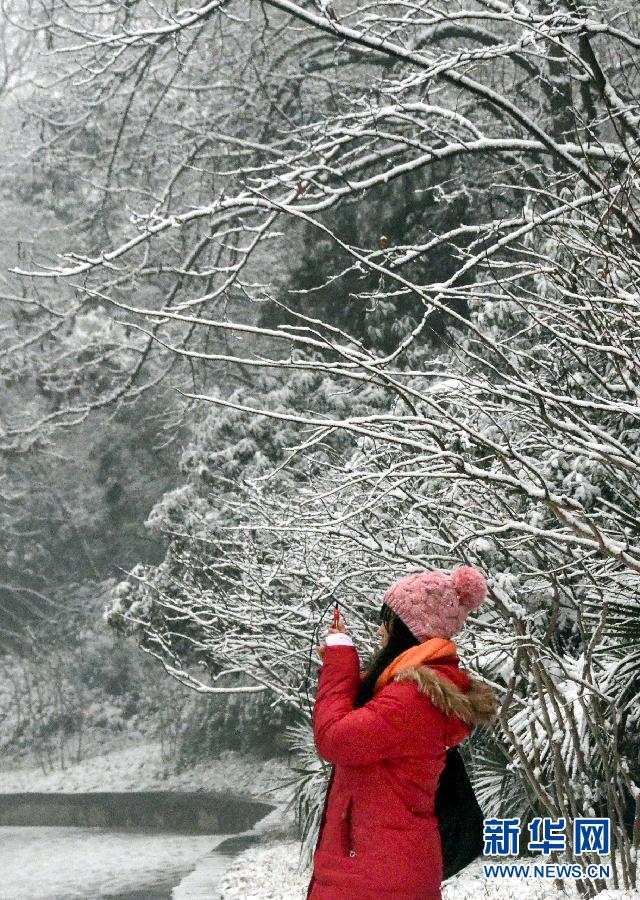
(460, 818)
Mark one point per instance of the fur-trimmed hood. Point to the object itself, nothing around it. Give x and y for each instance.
(476, 706)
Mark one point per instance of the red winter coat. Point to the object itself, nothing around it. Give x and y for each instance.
(378, 833)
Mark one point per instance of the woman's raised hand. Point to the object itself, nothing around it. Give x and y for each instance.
(341, 627)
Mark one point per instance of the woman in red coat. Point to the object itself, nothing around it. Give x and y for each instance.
(386, 732)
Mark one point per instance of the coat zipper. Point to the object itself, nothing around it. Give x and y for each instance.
(349, 828)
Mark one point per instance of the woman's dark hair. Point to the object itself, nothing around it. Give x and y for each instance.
(400, 639)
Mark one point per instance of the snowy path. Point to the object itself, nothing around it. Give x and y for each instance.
(212, 868)
(198, 884)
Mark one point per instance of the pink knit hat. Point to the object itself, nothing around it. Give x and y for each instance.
(434, 604)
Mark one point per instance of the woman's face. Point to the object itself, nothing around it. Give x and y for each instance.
(383, 631)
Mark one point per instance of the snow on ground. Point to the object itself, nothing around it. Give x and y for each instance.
(270, 872)
(197, 884)
(139, 766)
(266, 872)
(85, 863)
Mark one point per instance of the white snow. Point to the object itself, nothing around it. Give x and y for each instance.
(139, 766)
(269, 872)
(86, 863)
(198, 884)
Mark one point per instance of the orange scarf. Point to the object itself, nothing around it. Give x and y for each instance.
(429, 650)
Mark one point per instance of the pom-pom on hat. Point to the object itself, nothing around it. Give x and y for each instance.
(434, 604)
